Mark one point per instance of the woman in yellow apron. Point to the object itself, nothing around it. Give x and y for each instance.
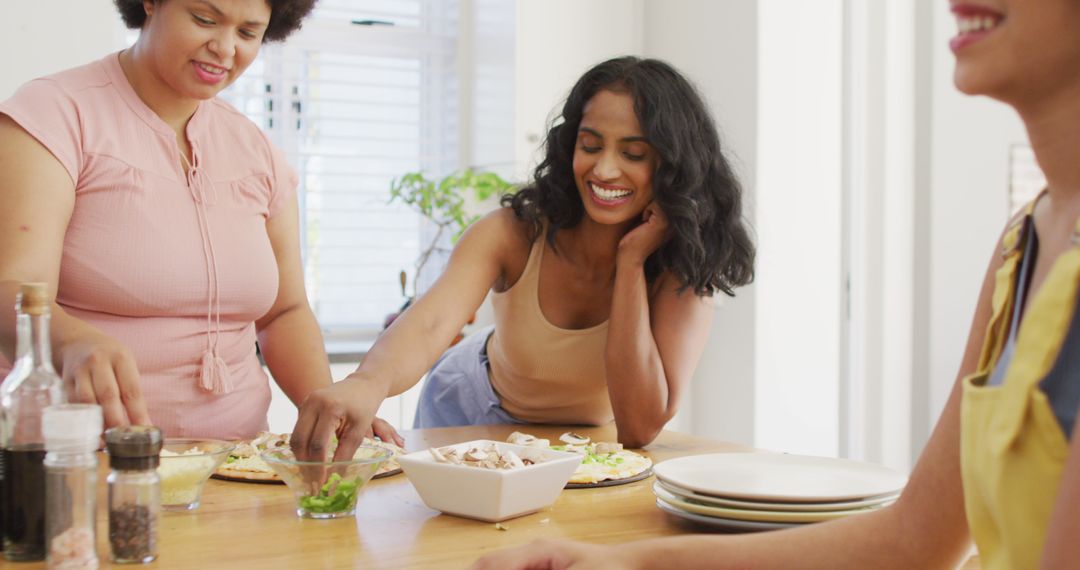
(1003, 464)
(1020, 405)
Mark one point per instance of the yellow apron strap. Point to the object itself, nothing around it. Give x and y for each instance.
(1004, 284)
(1046, 324)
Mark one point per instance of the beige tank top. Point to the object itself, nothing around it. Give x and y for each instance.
(543, 373)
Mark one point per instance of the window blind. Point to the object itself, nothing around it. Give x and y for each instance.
(366, 91)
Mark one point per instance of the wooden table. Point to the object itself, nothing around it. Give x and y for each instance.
(254, 526)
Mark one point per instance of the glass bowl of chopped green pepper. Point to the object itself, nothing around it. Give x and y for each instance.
(326, 489)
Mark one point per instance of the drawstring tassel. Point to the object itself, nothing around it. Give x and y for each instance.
(214, 376)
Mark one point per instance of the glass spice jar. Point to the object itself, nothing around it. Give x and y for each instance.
(134, 493)
(72, 433)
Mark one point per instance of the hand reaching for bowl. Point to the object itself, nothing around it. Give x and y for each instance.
(346, 410)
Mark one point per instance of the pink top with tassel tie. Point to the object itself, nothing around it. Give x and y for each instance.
(175, 266)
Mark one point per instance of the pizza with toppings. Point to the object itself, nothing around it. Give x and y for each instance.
(244, 463)
(604, 463)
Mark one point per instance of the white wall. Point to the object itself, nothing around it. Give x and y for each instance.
(39, 37)
(800, 284)
(876, 379)
(715, 44)
(557, 41)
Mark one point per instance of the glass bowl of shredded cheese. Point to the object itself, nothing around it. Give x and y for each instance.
(185, 466)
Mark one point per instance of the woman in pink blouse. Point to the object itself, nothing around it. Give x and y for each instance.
(165, 221)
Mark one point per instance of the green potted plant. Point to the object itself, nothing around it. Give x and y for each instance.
(443, 203)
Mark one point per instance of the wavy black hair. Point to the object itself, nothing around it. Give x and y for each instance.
(285, 16)
(710, 249)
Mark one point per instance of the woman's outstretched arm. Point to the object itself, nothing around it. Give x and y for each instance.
(411, 345)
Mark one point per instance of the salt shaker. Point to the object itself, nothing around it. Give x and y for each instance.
(72, 433)
(134, 493)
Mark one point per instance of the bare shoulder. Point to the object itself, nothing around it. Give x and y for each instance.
(503, 223)
(1008, 239)
(507, 238)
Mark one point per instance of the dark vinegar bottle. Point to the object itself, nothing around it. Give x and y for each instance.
(22, 365)
(24, 401)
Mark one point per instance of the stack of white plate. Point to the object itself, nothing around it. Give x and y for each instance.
(765, 491)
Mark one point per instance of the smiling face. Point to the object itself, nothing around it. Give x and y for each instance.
(613, 162)
(1016, 50)
(198, 47)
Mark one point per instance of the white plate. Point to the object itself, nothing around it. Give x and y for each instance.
(779, 477)
(752, 515)
(727, 524)
(773, 506)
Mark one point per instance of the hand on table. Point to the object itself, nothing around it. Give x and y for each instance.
(98, 369)
(345, 409)
(557, 555)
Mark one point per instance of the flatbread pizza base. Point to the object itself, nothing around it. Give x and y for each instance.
(255, 474)
(632, 466)
(635, 467)
(253, 477)
(246, 476)
(612, 482)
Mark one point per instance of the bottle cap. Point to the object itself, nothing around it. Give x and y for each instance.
(35, 298)
(72, 427)
(133, 447)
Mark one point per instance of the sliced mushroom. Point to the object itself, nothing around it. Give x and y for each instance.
(513, 460)
(607, 447)
(487, 457)
(261, 439)
(574, 439)
(245, 450)
(518, 438)
(476, 454)
(531, 456)
(449, 455)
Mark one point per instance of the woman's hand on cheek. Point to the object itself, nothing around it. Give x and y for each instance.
(637, 245)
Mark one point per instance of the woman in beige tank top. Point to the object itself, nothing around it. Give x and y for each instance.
(602, 270)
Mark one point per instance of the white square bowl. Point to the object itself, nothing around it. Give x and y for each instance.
(490, 495)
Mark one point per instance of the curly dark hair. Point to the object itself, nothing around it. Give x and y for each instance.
(710, 249)
(285, 16)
